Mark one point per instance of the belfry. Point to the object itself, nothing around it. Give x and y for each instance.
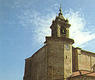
(58, 59)
(60, 26)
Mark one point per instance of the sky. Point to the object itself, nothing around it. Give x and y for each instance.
(25, 23)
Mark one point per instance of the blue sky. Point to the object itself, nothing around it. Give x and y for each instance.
(25, 23)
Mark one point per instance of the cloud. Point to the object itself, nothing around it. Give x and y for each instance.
(78, 24)
(39, 24)
(42, 25)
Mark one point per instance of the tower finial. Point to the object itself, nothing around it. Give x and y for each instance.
(60, 9)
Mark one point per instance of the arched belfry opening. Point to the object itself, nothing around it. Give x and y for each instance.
(60, 26)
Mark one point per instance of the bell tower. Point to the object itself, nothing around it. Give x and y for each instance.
(60, 26)
(59, 49)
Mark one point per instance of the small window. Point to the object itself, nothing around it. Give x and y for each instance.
(66, 57)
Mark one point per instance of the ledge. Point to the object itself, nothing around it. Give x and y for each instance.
(64, 39)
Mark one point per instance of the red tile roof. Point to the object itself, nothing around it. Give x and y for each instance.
(82, 72)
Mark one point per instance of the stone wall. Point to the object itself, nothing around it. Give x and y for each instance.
(55, 60)
(27, 73)
(59, 56)
(74, 60)
(83, 60)
(36, 66)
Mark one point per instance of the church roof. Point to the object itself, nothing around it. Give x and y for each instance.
(35, 53)
(83, 73)
(85, 52)
(88, 52)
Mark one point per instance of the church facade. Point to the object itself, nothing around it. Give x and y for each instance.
(58, 59)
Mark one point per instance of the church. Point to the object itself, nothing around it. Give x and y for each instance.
(58, 59)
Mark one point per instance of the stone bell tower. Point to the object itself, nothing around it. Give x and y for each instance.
(59, 49)
(60, 27)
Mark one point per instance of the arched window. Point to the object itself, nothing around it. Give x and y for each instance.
(63, 31)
